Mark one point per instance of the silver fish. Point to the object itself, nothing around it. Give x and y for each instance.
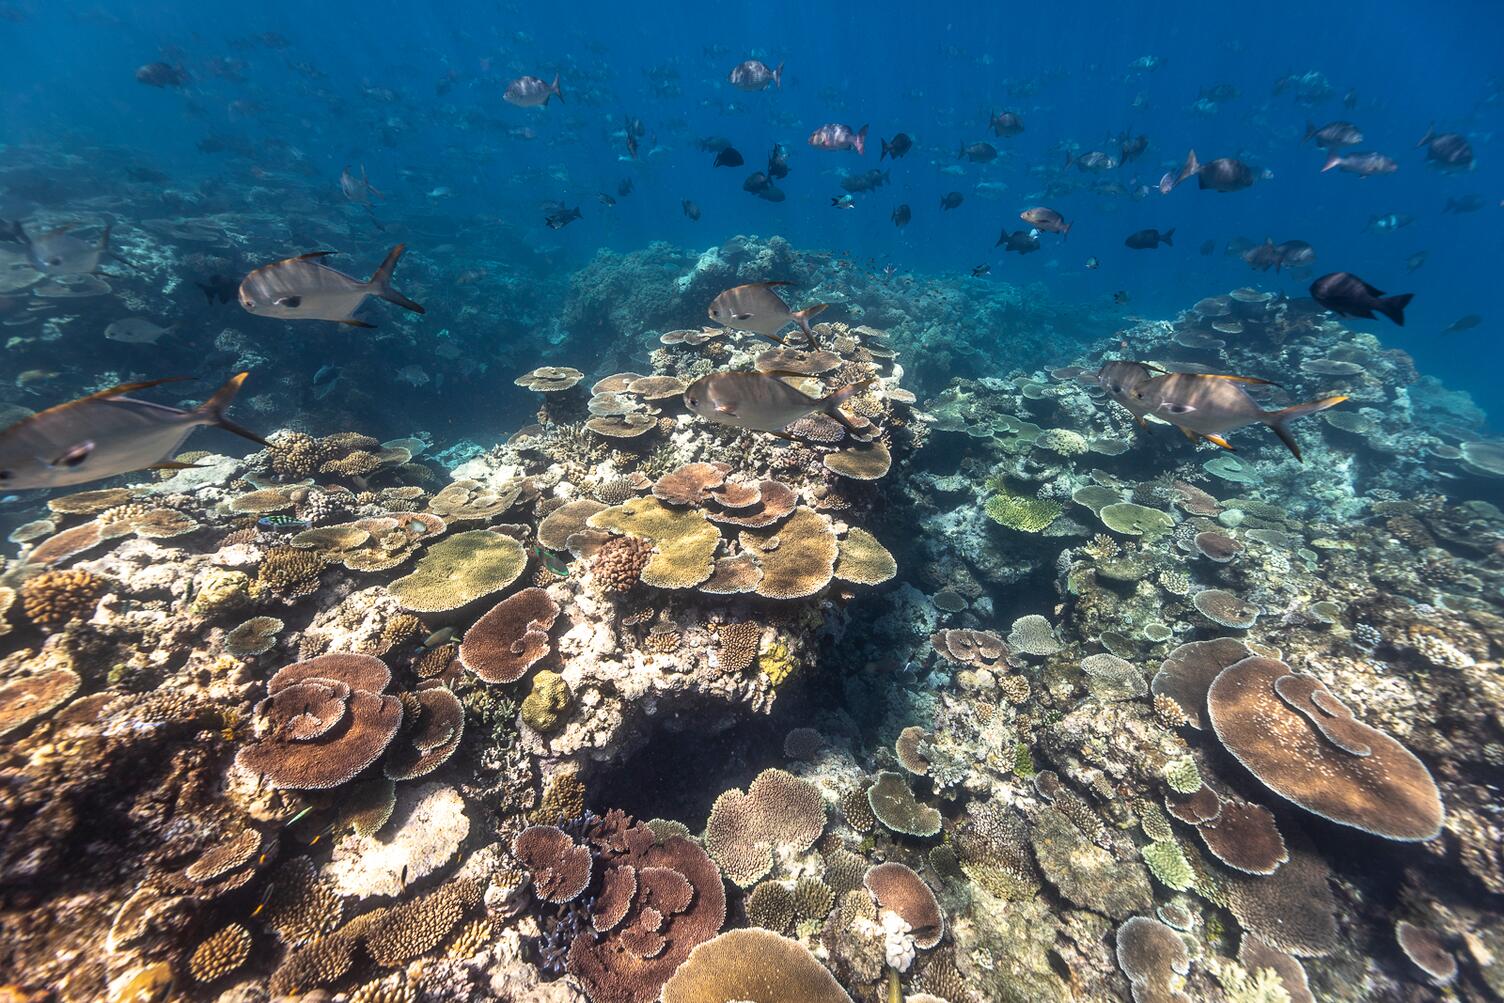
(358, 190)
(303, 289)
(757, 308)
(754, 75)
(762, 402)
(58, 252)
(106, 434)
(1119, 377)
(532, 92)
(835, 136)
(136, 331)
(1207, 406)
(1363, 164)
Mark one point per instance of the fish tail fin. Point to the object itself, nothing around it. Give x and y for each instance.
(1279, 420)
(861, 141)
(778, 77)
(212, 411)
(1393, 307)
(1192, 166)
(1167, 237)
(887, 149)
(367, 182)
(802, 318)
(553, 90)
(1065, 231)
(104, 238)
(381, 282)
(1001, 237)
(1310, 130)
(1430, 135)
(838, 397)
(1332, 160)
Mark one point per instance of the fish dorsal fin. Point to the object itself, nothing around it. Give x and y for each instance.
(1252, 380)
(786, 374)
(126, 388)
(775, 282)
(310, 256)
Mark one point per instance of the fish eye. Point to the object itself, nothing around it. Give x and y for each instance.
(5, 475)
(694, 402)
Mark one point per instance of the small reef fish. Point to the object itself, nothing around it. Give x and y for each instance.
(58, 252)
(1333, 135)
(438, 639)
(729, 157)
(105, 434)
(161, 75)
(560, 216)
(285, 523)
(761, 402)
(691, 210)
(902, 215)
(754, 75)
(531, 92)
(867, 181)
(1148, 240)
(1466, 323)
(1046, 219)
(900, 145)
(951, 200)
(1362, 164)
(835, 136)
(555, 564)
(1449, 150)
(778, 162)
(757, 308)
(136, 331)
(980, 270)
(844, 202)
(358, 190)
(303, 288)
(1346, 295)
(1389, 222)
(977, 153)
(1224, 174)
(1208, 406)
(1020, 241)
(1006, 123)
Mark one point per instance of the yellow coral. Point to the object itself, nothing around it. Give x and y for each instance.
(221, 590)
(777, 663)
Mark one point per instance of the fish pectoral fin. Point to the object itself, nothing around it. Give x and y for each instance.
(1217, 440)
(725, 409)
(291, 302)
(74, 456)
(1142, 422)
(741, 316)
(173, 465)
(1188, 434)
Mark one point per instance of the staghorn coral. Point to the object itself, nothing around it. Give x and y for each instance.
(221, 953)
(288, 573)
(53, 598)
(778, 811)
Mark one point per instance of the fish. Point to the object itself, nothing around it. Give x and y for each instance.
(1120, 297)
(555, 565)
(866, 181)
(1466, 323)
(778, 162)
(532, 92)
(1046, 219)
(560, 216)
(161, 75)
(283, 522)
(1362, 164)
(1346, 295)
(980, 270)
(897, 147)
(358, 190)
(712, 144)
(754, 75)
(624, 187)
(729, 157)
(977, 153)
(605, 200)
(902, 215)
(58, 252)
(1118, 378)
(690, 209)
(106, 434)
(1448, 150)
(1092, 264)
(1333, 135)
(1005, 123)
(1416, 260)
(303, 288)
(1224, 174)
(1389, 222)
(835, 136)
(1095, 161)
(757, 308)
(1467, 203)
(1208, 406)
(951, 199)
(438, 638)
(1294, 254)
(1148, 240)
(325, 375)
(1132, 149)
(1020, 241)
(1220, 93)
(218, 288)
(1262, 257)
(761, 402)
(1208, 247)
(844, 202)
(136, 331)
(762, 186)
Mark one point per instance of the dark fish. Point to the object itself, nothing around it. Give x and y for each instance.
(835, 136)
(1449, 150)
(980, 270)
(1349, 296)
(729, 157)
(1095, 161)
(358, 190)
(1208, 247)
(1093, 264)
(325, 375)
(218, 288)
(896, 147)
(866, 181)
(1148, 240)
(691, 210)
(754, 75)
(1132, 149)
(162, 75)
(1467, 203)
(1294, 254)
(1221, 175)
(1020, 241)
(1466, 323)
(1416, 260)
(1333, 135)
(1208, 406)
(951, 199)
(1120, 297)
(560, 216)
(106, 434)
(901, 216)
(605, 200)
(778, 162)
(844, 202)
(1362, 164)
(1006, 123)
(712, 144)
(532, 92)
(977, 153)
(1046, 219)
(762, 186)
(1262, 257)
(761, 402)
(303, 288)
(624, 188)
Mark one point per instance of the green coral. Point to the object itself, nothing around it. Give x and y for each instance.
(1019, 512)
(1023, 762)
(1167, 862)
(1182, 775)
(546, 705)
(777, 663)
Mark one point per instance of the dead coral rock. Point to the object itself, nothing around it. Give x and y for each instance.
(1085, 873)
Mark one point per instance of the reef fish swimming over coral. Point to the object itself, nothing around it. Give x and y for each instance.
(1208, 406)
(105, 434)
(757, 308)
(761, 402)
(302, 288)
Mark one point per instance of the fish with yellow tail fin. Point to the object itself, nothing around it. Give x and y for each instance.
(1208, 406)
(105, 434)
